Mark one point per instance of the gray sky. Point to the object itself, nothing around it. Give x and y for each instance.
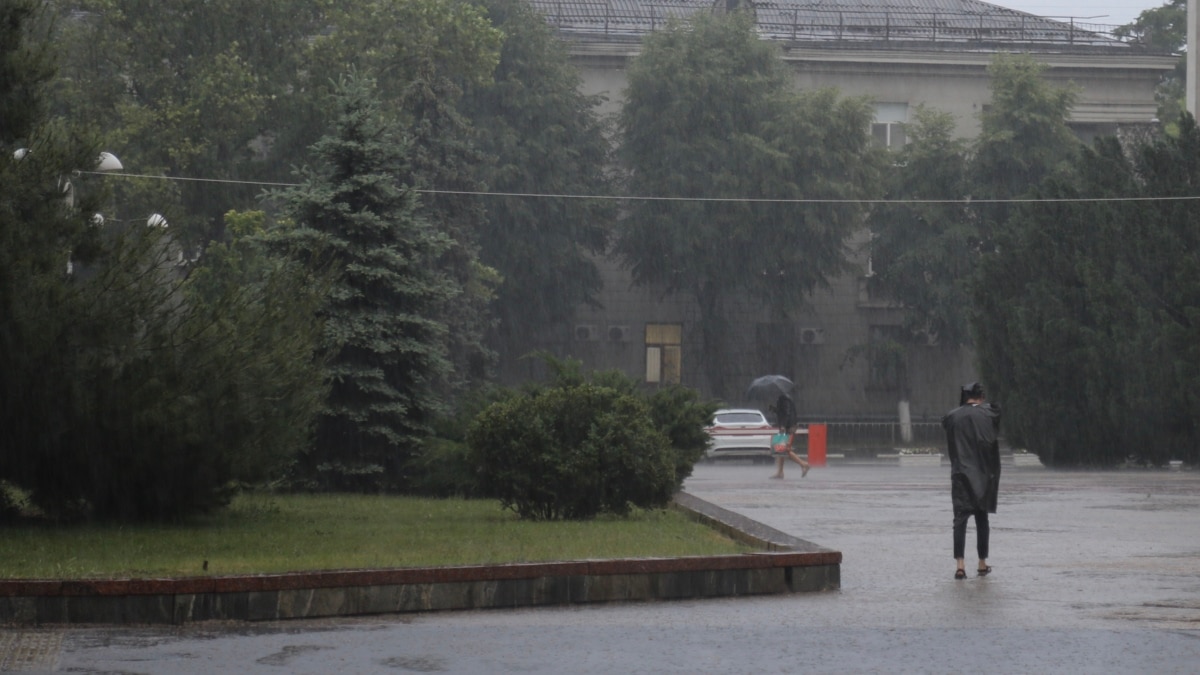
(1118, 11)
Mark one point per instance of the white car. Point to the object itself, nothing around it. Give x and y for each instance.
(740, 432)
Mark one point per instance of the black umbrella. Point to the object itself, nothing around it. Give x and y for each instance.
(769, 388)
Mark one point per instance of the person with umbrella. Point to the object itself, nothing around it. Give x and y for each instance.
(781, 443)
(971, 438)
(779, 388)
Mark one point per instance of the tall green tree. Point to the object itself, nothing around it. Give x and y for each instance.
(127, 393)
(37, 234)
(710, 125)
(1098, 301)
(1024, 141)
(1164, 253)
(422, 55)
(193, 89)
(385, 337)
(1056, 308)
(1164, 28)
(541, 136)
(924, 245)
(1024, 137)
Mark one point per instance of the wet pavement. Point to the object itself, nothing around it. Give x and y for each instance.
(1094, 572)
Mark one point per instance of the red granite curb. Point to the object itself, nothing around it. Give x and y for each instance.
(408, 575)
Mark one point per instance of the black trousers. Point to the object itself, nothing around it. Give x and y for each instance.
(961, 494)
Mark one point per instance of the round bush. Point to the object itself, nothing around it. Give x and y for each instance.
(572, 453)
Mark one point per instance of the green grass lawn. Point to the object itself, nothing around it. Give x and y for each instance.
(282, 533)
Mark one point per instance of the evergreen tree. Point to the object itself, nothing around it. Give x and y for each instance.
(385, 337)
(424, 53)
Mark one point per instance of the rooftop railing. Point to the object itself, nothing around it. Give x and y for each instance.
(612, 18)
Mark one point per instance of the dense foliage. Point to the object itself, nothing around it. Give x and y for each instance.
(712, 125)
(385, 345)
(540, 135)
(924, 245)
(572, 453)
(133, 387)
(235, 94)
(1164, 28)
(162, 367)
(1100, 355)
(1081, 300)
(446, 466)
(196, 88)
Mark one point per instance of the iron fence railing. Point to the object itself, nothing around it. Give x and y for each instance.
(620, 17)
(879, 436)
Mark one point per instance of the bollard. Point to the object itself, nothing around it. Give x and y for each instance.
(816, 444)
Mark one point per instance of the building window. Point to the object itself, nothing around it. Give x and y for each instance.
(663, 350)
(888, 134)
(888, 129)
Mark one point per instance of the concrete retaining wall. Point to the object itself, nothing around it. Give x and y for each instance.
(786, 565)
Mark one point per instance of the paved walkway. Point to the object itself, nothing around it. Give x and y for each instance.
(1094, 573)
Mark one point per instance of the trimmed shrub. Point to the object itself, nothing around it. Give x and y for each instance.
(680, 414)
(677, 411)
(572, 453)
(443, 468)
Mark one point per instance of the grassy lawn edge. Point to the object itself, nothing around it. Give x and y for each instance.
(273, 533)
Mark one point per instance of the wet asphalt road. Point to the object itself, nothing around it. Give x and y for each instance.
(1094, 573)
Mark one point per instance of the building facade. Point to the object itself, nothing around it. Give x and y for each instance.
(901, 53)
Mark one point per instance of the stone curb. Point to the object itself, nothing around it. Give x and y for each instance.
(786, 565)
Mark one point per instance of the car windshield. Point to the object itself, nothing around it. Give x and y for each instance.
(739, 418)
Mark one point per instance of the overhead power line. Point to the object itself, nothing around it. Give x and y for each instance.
(645, 198)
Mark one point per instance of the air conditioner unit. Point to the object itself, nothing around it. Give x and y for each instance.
(586, 333)
(812, 336)
(619, 333)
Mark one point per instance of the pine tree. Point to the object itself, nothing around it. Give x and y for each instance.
(385, 340)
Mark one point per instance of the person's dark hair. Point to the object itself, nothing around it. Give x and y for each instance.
(969, 391)
(785, 413)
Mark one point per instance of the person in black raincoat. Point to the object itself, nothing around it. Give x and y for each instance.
(972, 431)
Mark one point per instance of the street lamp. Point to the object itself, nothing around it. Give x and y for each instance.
(106, 162)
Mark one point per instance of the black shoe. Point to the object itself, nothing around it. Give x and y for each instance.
(984, 572)
(960, 574)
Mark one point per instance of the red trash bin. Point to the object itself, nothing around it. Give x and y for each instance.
(816, 444)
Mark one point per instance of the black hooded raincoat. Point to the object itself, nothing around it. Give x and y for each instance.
(972, 438)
